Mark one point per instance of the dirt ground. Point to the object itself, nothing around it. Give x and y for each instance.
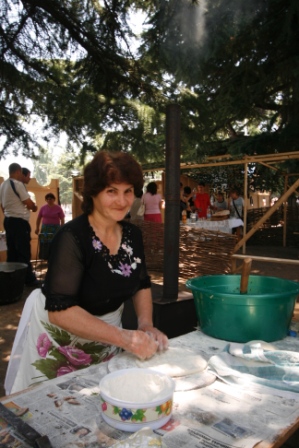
(10, 314)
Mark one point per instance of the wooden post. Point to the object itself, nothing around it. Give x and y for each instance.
(267, 214)
(285, 208)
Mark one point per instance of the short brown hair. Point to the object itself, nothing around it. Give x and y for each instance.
(107, 168)
(14, 167)
(50, 196)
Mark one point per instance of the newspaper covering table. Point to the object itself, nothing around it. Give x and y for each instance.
(220, 415)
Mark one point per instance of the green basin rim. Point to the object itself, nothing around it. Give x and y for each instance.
(209, 289)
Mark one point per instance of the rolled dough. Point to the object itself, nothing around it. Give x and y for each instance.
(174, 362)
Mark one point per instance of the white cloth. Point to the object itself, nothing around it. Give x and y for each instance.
(43, 351)
(135, 207)
(12, 204)
(225, 226)
(249, 364)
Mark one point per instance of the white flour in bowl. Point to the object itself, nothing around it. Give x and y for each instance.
(136, 386)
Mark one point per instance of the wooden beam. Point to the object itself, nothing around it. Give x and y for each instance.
(247, 159)
(236, 257)
(264, 218)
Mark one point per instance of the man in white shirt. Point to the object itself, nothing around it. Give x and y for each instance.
(16, 205)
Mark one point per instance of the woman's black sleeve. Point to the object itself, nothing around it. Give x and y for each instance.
(65, 271)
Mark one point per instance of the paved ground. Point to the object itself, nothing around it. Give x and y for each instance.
(10, 314)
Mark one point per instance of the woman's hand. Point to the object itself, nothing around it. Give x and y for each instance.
(157, 335)
(141, 344)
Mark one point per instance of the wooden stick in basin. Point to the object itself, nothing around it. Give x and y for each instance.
(246, 267)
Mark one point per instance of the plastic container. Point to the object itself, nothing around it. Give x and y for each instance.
(263, 313)
(122, 404)
(12, 280)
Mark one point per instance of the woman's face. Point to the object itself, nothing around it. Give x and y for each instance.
(200, 189)
(114, 202)
(50, 201)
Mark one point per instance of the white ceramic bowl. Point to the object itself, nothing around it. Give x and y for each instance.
(136, 398)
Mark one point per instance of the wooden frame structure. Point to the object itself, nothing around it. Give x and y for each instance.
(267, 160)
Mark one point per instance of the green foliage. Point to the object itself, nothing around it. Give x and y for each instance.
(73, 67)
(62, 168)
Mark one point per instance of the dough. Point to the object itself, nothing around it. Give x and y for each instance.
(194, 381)
(174, 362)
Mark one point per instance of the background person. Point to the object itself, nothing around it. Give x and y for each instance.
(202, 200)
(26, 176)
(153, 203)
(16, 205)
(186, 202)
(96, 263)
(236, 204)
(136, 205)
(51, 216)
(220, 203)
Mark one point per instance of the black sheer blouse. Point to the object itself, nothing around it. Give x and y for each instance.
(82, 272)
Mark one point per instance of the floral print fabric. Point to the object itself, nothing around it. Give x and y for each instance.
(48, 351)
(124, 262)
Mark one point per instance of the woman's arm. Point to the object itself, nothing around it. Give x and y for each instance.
(61, 216)
(38, 221)
(144, 310)
(83, 324)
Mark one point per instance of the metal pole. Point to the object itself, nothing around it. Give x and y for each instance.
(172, 203)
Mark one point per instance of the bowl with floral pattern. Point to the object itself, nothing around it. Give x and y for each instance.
(135, 398)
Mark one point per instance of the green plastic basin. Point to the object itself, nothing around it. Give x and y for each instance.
(263, 313)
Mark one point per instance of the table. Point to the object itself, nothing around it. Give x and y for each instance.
(225, 225)
(70, 405)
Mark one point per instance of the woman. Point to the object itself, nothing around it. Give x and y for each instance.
(153, 203)
(96, 264)
(51, 216)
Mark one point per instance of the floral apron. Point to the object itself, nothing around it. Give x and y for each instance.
(44, 351)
